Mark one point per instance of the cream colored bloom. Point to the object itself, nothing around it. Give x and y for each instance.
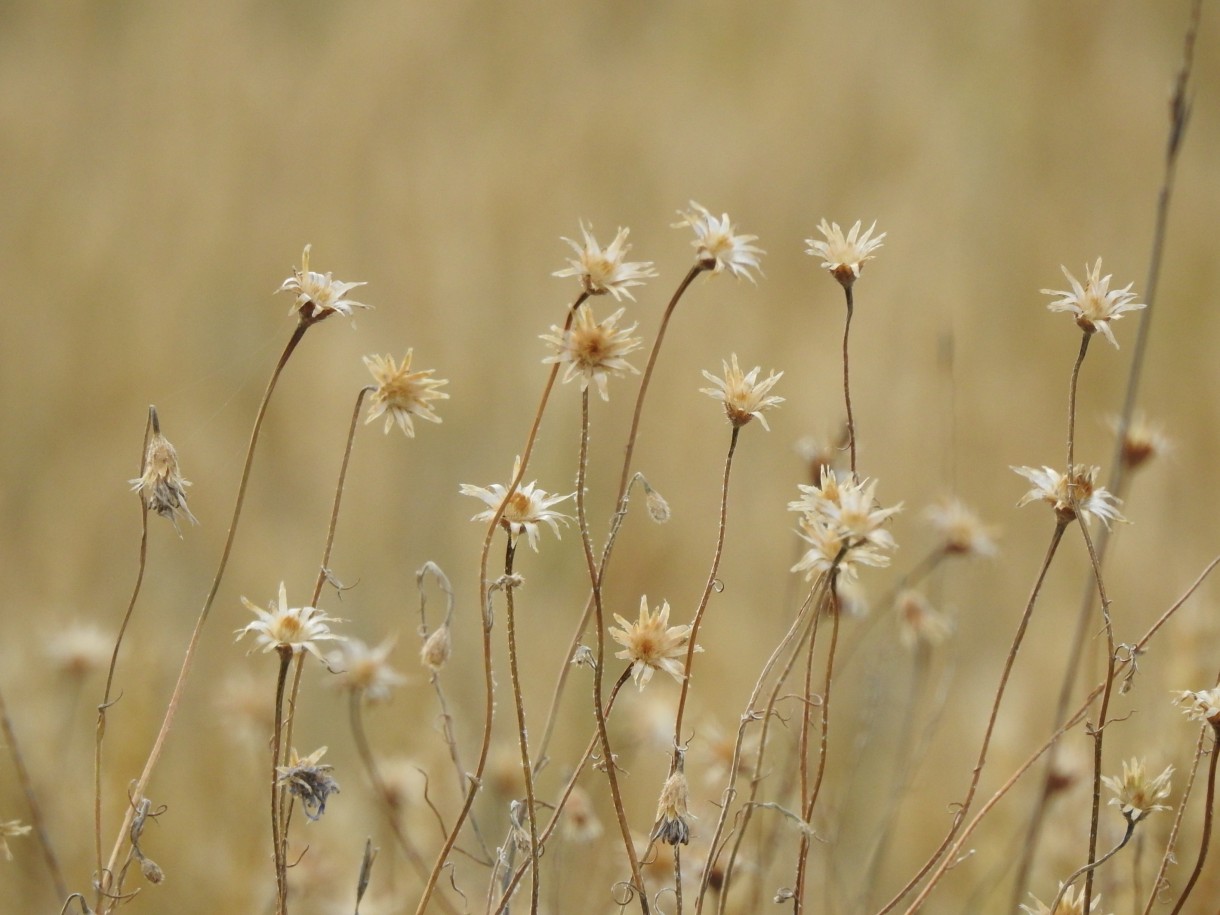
(606, 271)
(162, 486)
(297, 628)
(364, 669)
(1072, 903)
(651, 644)
(318, 295)
(591, 350)
(844, 524)
(1094, 304)
(919, 623)
(402, 393)
(1071, 495)
(528, 507)
(717, 246)
(1203, 705)
(1137, 794)
(743, 395)
(961, 531)
(843, 256)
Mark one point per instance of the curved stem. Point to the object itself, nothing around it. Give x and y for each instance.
(851, 423)
(1208, 814)
(1071, 437)
(279, 837)
(1092, 866)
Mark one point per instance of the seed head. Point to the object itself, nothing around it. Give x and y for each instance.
(651, 644)
(844, 257)
(591, 350)
(673, 813)
(162, 486)
(306, 779)
(1071, 494)
(402, 394)
(318, 295)
(606, 271)
(436, 649)
(717, 246)
(743, 395)
(1093, 303)
(1137, 794)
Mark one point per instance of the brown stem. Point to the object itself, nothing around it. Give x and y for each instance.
(279, 838)
(1208, 814)
(851, 423)
(1071, 437)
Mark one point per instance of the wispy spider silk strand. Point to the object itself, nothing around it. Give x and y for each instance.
(136, 794)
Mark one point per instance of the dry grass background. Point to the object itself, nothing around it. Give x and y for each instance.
(163, 165)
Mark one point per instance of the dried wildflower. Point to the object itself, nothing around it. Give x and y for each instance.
(402, 394)
(960, 529)
(162, 486)
(297, 628)
(580, 822)
(151, 870)
(10, 829)
(78, 649)
(819, 456)
(591, 350)
(309, 781)
(606, 271)
(434, 653)
(844, 257)
(318, 295)
(526, 509)
(919, 623)
(1094, 304)
(1137, 793)
(717, 247)
(364, 669)
(1072, 903)
(1201, 706)
(673, 813)
(743, 395)
(650, 643)
(658, 508)
(1142, 441)
(1070, 495)
(844, 525)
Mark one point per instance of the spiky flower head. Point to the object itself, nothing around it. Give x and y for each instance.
(844, 524)
(308, 780)
(524, 511)
(1071, 903)
(743, 395)
(961, 531)
(843, 256)
(1093, 303)
(1071, 494)
(365, 670)
(591, 350)
(606, 271)
(318, 295)
(161, 485)
(401, 393)
(651, 644)
(717, 246)
(294, 628)
(1203, 705)
(1137, 794)
(673, 809)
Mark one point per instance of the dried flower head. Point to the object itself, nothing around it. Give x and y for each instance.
(844, 257)
(1071, 494)
(743, 395)
(162, 486)
(820, 455)
(525, 510)
(11, 829)
(1094, 304)
(1137, 793)
(78, 649)
(658, 508)
(843, 522)
(366, 670)
(650, 643)
(960, 529)
(296, 628)
(717, 246)
(309, 781)
(401, 393)
(1141, 441)
(580, 822)
(591, 350)
(1072, 903)
(318, 295)
(606, 271)
(673, 809)
(1203, 705)
(437, 647)
(919, 623)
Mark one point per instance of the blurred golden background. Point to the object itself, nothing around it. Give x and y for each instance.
(164, 165)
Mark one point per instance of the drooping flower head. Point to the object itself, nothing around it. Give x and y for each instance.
(527, 508)
(308, 780)
(296, 628)
(743, 395)
(961, 531)
(717, 246)
(401, 393)
(1094, 304)
(1071, 494)
(843, 256)
(593, 350)
(162, 486)
(843, 523)
(606, 271)
(318, 295)
(651, 644)
(673, 808)
(1137, 794)
(365, 670)
(1203, 705)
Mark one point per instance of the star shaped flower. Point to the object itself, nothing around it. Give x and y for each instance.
(1071, 494)
(717, 246)
(318, 295)
(651, 644)
(525, 510)
(1093, 303)
(606, 271)
(402, 394)
(297, 628)
(591, 350)
(843, 256)
(743, 395)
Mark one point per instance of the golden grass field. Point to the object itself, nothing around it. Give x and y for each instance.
(164, 165)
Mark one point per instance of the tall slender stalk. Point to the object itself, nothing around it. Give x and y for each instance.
(1208, 816)
(851, 422)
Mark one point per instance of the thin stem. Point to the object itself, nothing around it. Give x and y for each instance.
(137, 790)
(1071, 436)
(278, 838)
(851, 423)
(1092, 866)
(1208, 814)
(1168, 857)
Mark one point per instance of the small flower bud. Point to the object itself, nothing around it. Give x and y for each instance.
(658, 508)
(151, 870)
(436, 649)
